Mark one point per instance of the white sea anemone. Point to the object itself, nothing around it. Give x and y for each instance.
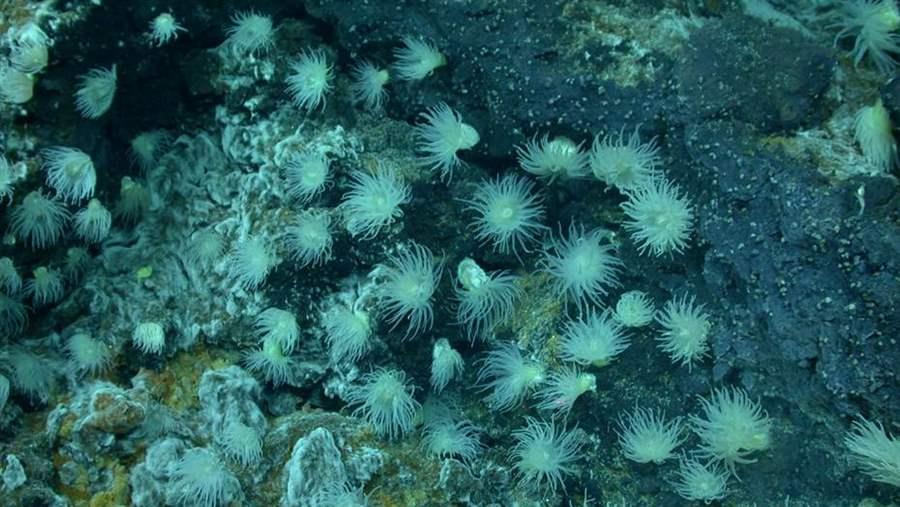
(16, 87)
(250, 33)
(348, 332)
(149, 337)
(145, 148)
(374, 201)
(733, 427)
(164, 28)
(446, 363)
(250, 261)
(553, 158)
(70, 172)
(874, 451)
(508, 376)
(594, 339)
(441, 136)
(582, 265)
(646, 436)
(38, 220)
(417, 59)
(508, 213)
(624, 164)
(96, 91)
(562, 389)
(368, 85)
(701, 482)
(307, 174)
(309, 238)
(874, 133)
(385, 399)
(134, 200)
(278, 325)
(634, 309)
(310, 79)
(46, 287)
(92, 224)
(411, 276)
(485, 299)
(874, 23)
(659, 218)
(544, 454)
(686, 328)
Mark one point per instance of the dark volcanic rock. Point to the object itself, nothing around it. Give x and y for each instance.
(738, 67)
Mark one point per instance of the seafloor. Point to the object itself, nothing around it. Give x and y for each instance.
(789, 258)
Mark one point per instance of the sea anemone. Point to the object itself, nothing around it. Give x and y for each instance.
(441, 136)
(76, 262)
(626, 165)
(594, 338)
(250, 261)
(446, 363)
(552, 159)
(164, 28)
(145, 148)
(659, 218)
(205, 248)
(686, 328)
(700, 482)
(28, 50)
(200, 479)
(874, 133)
(411, 277)
(10, 281)
(46, 287)
(581, 265)
(16, 87)
(307, 175)
(339, 494)
(310, 79)
(32, 375)
(634, 309)
(368, 85)
(417, 59)
(95, 92)
(733, 427)
(508, 213)
(280, 326)
(250, 33)
(9, 176)
(544, 454)
(4, 391)
(874, 24)
(93, 222)
(448, 438)
(347, 332)
(39, 220)
(374, 201)
(70, 172)
(309, 238)
(485, 299)
(562, 389)
(385, 399)
(241, 443)
(88, 355)
(149, 337)
(874, 451)
(13, 316)
(645, 436)
(271, 362)
(134, 201)
(508, 376)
